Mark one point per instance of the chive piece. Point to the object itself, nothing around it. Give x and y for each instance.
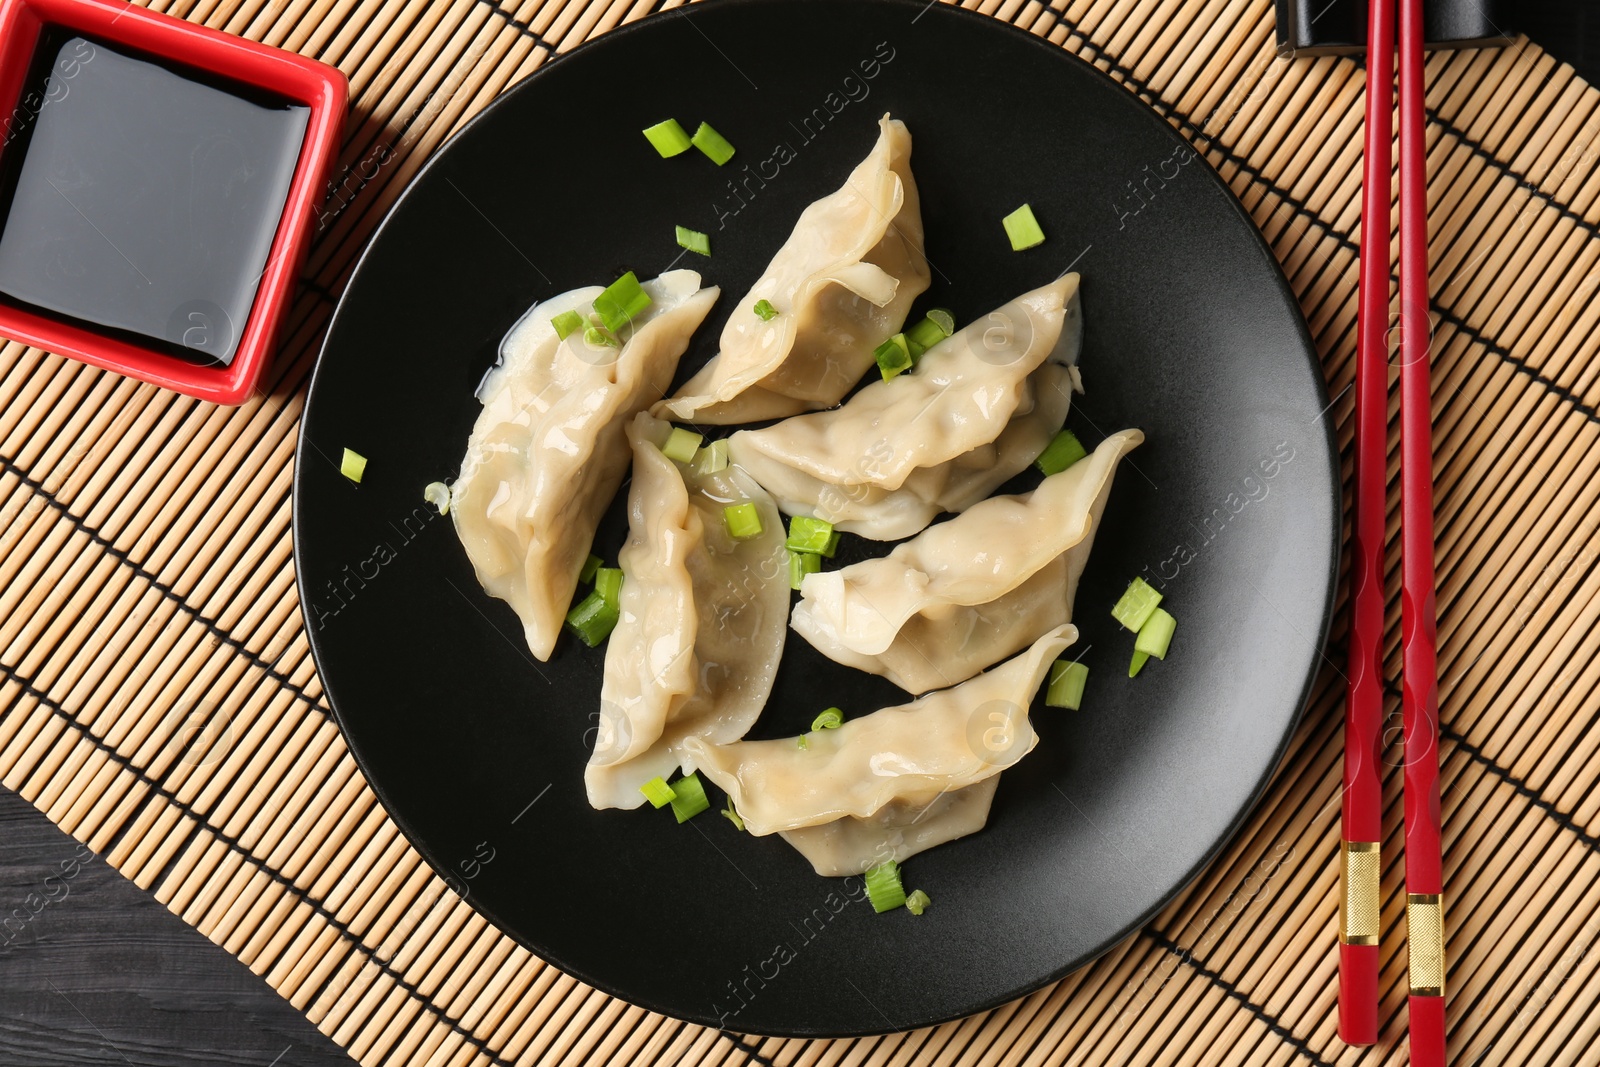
(597, 337)
(802, 742)
(437, 494)
(593, 619)
(691, 798)
(743, 521)
(1134, 608)
(712, 143)
(829, 719)
(1023, 229)
(658, 792)
(668, 138)
(590, 565)
(353, 465)
(608, 583)
(802, 564)
(712, 458)
(944, 320)
(681, 444)
(915, 350)
(831, 547)
(1155, 636)
(1138, 661)
(1066, 685)
(566, 324)
(884, 888)
(765, 311)
(930, 331)
(809, 535)
(1062, 452)
(693, 240)
(893, 356)
(918, 902)
(621, 301)
(731, 813)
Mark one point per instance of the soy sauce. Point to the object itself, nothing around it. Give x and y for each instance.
(142, 198)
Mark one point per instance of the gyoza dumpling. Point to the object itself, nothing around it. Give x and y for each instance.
(702, 621)
(550, 448)
(842, 284)
(901, 828)
(938, 744)
(967, 592)
(976, 409)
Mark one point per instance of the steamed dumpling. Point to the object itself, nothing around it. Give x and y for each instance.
(702, 622)
(901, 828)
(939, 744)
(976, 409)
(549, 449)
(842, 284)
(967, 592)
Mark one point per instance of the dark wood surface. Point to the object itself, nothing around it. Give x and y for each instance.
(94, 971)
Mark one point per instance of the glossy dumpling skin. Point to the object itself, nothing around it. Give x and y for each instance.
(842, 284)
(549, 448)
(702, 624)
(970, 591)
(940, 743)
(978, 407)
(900, 829)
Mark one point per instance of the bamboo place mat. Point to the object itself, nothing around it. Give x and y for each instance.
(158, 700)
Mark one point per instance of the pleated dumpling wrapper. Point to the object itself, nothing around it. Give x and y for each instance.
(841, 285)
(877, 769)
(550, 446)
(702, 620)
(977, 408)
(970, 591)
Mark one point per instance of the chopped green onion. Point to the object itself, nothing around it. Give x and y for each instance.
(893, 356)
(730, 813)
(918, 902)
(712, 458)
(353, 465)
(1134, 608)
(437, 494)
(944, 320)
(590, 565)
(597, 337)
(669, 138)
(829, 719)
(691, 798)
(1023, 228)
(658, 792)
(1155, 636)
(915, 350)
(884, 888)
(1066, 685)
(810, 535)
(1138, 662)
(765, 311)
(1060, 453)
(693, 240)
(802, 564)
(935, 327)
(742, 520)
(681, 444)
(802, 742)
(593, 619)
(712, 143)
(567, 323)
(608, 583)
(621, 301)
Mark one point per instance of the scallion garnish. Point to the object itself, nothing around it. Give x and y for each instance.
(437, 494)
(828, 719)
(608, 583)
(712, 458)
(884, 888)
(1066, 685)
(1062, 452)
(918, 902)
(935, 327)
(1155, 636)
(567, 323)
(668, 138)
(690, 799)
(765, 311)
(658, 792)
(944, 320)
(743, 521)
(1137, 603)
(712, 143)
(730, 813)
(681, 444)
(621, 301)
(599, 337)
(893, 356)
(807, 534)
(1023, 229)
(590, 565)
(353, 465)
(693, 240)
(802, 742)
(593, 619)
(802, 564)
(1138, 662)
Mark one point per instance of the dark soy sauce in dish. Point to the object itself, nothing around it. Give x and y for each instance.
(142, 198)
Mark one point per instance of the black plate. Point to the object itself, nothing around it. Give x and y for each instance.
(1192, 334)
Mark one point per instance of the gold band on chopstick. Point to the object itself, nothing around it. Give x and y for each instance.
(1358, 888)
(1425, 938)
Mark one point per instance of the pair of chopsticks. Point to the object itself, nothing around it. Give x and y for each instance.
(1363, 793)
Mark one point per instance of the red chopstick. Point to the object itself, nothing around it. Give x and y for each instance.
(1362, 805)
(1420, 697)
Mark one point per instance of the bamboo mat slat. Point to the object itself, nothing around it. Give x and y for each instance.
(158, 699)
